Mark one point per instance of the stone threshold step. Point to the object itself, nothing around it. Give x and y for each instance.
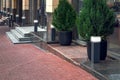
(14, 40)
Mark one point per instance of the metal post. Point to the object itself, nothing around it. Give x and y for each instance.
(95, 49)
(4, 13)
(35, 25)
(1, 12)
(10, 20)
(11, 17)
(23, 20)
(17, 18)
(53, 33)
(8, 14)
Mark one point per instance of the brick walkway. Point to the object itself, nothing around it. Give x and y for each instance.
(26, 62)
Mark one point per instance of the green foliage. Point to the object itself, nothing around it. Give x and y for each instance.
(64, 16)
(95, 19)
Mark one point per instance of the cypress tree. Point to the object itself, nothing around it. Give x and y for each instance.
(64, 16)
(95, 19)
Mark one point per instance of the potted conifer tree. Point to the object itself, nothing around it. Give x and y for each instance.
(96, 19)
(64, 17)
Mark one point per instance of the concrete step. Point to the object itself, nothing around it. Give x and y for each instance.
(14, 40)
(23, 32)
(19, 36)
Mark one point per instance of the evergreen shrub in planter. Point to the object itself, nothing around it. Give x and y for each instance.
(96, 19)
(64, 17)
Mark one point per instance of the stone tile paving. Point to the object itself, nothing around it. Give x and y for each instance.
(26, 62)
(105, 70)
(73, 51)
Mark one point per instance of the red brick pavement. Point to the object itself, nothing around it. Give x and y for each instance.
(26, 62)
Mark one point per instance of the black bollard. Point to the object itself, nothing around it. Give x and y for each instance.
(95, 49)
(11, 19)
(53, 34)
(5, 13)
(23, 20)
(9, 22)
(2, 12)
(17, 18)
(8, 14)
(35, 25)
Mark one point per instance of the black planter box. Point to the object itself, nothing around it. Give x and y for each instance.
(65, 37)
